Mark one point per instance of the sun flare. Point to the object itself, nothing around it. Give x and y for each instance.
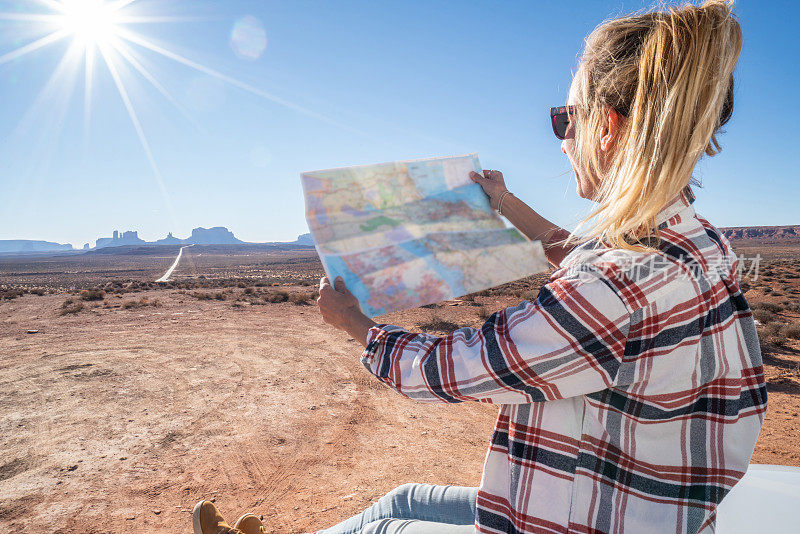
(90, 22)
(100, 33)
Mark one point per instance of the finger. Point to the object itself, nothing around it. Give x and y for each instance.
(476, 177)
(339, 285)
(323, 282)
(342, 288)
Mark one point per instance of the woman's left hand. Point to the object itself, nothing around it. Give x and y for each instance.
(340, 309)
(493, 185)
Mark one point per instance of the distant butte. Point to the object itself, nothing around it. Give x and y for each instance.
(766, 234)
(218, 235)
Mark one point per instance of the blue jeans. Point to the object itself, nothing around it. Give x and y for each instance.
(415, 509)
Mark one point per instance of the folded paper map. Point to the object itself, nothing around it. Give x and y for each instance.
(410, 233)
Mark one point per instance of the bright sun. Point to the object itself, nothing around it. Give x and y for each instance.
(91, 22)
(99, 33)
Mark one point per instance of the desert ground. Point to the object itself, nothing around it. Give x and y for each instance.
(123, 402)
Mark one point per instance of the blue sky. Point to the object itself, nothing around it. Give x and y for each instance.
(355, 82)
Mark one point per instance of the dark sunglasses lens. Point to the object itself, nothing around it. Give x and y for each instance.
(560, 125)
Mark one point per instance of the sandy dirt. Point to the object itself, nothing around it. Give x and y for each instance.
(119, 420)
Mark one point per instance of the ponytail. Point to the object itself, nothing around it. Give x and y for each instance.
(671, 74)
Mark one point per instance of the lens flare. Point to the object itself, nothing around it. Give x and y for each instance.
(248, 38)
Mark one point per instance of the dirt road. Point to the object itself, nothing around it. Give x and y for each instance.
(165, 277)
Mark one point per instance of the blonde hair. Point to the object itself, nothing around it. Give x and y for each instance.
(670, 73)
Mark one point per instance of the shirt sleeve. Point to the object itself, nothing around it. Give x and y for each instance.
(570, 341)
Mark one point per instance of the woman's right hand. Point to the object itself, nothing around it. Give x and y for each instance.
(492, 183)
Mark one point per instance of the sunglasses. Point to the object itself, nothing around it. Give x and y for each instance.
(559, 117)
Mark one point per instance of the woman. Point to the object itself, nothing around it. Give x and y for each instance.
(631, 392)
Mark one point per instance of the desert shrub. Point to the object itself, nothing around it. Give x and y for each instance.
(38, 291)
(202, 295)
(219, 295)
(795, 307)
(773, 329)
(11, 294)
(767, 290)
(770, 335)
(300, 299)
(249, 290)
(792, 331)
(438, 324)
(769, 306)
(484, 313)
(93, 294)
(144, 301)
(70, 306)
(530, 295)
(763, 316)
(470, 297)
(241, 285)
(276, 296)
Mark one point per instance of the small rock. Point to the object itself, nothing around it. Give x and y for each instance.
(32, 331)
(156, 512)
(130, 518)
(123, 458)
(313, 407)
(72, 468)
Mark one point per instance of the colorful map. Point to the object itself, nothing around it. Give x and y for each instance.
(411, 233)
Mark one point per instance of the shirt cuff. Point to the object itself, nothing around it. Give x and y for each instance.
(376, 337)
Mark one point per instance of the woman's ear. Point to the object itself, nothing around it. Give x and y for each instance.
(611, 128)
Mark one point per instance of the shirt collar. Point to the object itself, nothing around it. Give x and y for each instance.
(682, 201)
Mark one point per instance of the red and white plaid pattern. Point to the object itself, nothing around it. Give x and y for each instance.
(630, 393)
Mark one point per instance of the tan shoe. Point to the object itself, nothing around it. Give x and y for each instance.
(206, 519)
(250, 524)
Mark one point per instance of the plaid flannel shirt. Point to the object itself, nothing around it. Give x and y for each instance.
(631, 391)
